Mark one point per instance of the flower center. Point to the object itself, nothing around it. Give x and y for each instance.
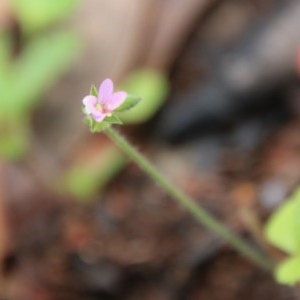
(102, 108)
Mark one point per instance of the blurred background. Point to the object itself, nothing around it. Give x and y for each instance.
(220, 116)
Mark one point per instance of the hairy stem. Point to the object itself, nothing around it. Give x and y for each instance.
(196, 210)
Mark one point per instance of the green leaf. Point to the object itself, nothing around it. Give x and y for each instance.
(282, 229)
(93, 91)
(288, 272)
(129, 103)
(38, 14)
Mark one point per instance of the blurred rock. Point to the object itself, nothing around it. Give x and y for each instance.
(250, 78)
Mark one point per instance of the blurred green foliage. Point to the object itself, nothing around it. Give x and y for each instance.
(283, 231)
(26, 75)
(46, 53)
(84, 179)
(35, 15)
(152, 87)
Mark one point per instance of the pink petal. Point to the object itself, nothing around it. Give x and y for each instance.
(116, 100)
(99, 118)
(105, 90)
(89, 103)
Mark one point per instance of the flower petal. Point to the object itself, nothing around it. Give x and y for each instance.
(99, 118)
(116, 100)
(89, 103)
(90, 109)
(105, 90)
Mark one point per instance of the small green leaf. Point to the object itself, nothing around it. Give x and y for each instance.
(113, 119)
(288, 272)
(129, 103)
(93, 91)
(281, 229)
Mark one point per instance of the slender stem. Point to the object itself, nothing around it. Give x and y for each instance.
(196, 210)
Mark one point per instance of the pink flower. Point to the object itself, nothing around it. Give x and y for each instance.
(107, 101)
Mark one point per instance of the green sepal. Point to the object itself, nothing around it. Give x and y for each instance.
(113, 119)
(129, 103)
(99, 126)
(93, 91)
(88, 121)
(93, 125)
(83, 109)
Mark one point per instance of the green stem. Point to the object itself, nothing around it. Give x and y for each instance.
(196, 210)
